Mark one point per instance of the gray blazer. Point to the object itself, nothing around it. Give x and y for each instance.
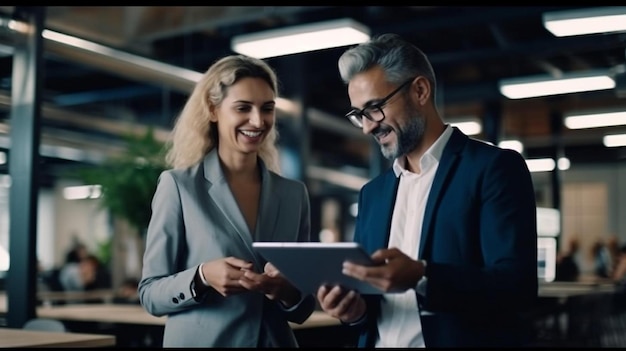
(195, 218)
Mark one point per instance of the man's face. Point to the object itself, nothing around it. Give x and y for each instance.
(402, 128)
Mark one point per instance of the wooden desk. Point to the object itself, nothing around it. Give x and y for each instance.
(100, 312)
(564, 290)
(135, 314)
(105, 295)
(4, 303)
(316, 320)
(11, 337)
(575, 311)
(50, 297)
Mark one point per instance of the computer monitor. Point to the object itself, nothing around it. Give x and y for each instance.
(546, 258)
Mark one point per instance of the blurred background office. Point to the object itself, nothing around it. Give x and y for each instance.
(112, 80)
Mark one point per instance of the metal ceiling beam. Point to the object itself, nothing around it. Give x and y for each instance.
(480, 15)
(124, 64)
(90, 122)
(223, 16)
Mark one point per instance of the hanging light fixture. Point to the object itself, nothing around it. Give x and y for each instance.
(301, 38)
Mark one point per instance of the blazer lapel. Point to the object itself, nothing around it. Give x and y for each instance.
(269, 206)
(448, 160)
(222, 197)
(377, 222)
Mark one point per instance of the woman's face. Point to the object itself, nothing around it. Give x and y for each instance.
(245, 116)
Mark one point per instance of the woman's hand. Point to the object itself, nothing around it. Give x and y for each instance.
(224, 275)
(273, 284)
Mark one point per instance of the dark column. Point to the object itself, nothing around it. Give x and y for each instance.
(556, 126)
(294, 134)
(292, 73)
(492, 122)
(23, 167)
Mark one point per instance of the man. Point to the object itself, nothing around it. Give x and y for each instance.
(452, 223)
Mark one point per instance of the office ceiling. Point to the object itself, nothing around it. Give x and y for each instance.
(91, 101)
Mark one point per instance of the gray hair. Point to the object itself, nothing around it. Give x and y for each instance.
(399, 59)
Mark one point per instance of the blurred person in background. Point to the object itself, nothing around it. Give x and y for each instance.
(619, 277)
(77, 252)
(603, 260)
(452, 223)
(223, 193)
(87, 274)
(613, 248)
(567, 262)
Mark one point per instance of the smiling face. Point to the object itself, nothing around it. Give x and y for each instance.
(244, 117)
(403, 127)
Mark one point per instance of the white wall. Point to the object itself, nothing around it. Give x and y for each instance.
(45, 225)
(613, 175)
(84, 219)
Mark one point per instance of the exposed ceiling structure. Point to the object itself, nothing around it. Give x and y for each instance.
(139, 79)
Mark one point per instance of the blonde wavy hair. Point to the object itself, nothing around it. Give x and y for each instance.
(194, 136)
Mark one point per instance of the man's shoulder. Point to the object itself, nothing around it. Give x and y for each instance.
(384, 177)
(483, 150)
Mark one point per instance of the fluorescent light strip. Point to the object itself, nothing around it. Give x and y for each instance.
(191, 76)
(547, 164)
(82, 192)
(594, 120)
(303, 38)
(512, 144)
(614, 140)
(469, 127)
(521, 88)
(586, 21)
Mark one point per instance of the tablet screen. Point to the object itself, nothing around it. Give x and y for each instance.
(308, 265)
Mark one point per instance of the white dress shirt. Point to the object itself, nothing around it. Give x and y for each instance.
(399, 324)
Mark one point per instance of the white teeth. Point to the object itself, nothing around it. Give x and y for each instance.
(250, 133)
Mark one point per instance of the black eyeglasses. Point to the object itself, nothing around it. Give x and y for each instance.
(373, 112)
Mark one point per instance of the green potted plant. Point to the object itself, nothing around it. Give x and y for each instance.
(128, 181)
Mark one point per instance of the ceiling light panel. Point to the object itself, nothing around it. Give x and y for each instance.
(302, 38)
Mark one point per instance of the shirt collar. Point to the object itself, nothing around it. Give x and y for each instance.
(430, 157)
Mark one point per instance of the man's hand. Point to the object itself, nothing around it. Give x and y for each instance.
(345, 305)
(396, 271)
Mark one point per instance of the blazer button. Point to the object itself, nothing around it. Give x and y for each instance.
(174, 300)
(181, 296)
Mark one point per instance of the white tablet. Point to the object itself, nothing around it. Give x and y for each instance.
(308, 265)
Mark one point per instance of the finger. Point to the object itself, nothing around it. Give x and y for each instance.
(322, 291)
(335, 297)
(248, 284)
(250, 275)
(269, 267)
(348, 301)
(380, 254)
(383, 255)
(238, 263)
(327, 297)
(355, 270)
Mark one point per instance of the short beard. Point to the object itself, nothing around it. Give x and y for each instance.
(408, 136)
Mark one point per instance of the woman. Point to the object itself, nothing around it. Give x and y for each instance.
(224, 193)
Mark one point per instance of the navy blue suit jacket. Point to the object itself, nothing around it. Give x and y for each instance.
(479, 238)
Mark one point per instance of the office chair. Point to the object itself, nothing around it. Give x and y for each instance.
(45, 324)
